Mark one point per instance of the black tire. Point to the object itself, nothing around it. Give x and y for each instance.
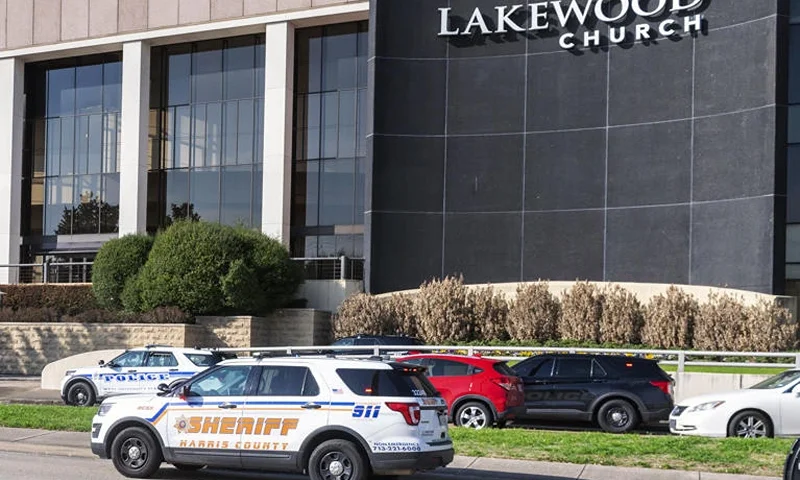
(617, 416)
(750, 424)
(791, 469)
(337, 454)
(475, 415)
(135, 453)
(81, 394)
(187, 467)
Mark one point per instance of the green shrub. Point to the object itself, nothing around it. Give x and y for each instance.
(669, 320)
(534, 315)
(118, 261)
(623, 317)
(581, 311)
(208, 269)
(443, 311)
(28, 315)
(63, 299)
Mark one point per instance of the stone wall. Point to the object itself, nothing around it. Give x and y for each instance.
(25, 348)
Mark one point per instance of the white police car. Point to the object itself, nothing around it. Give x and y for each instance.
(139, 370)
(331, 418)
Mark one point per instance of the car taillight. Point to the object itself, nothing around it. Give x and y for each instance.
(505, 382)
(663, 385)
(410, 411)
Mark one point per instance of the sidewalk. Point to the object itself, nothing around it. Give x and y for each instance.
(26, 390)
(71, 444)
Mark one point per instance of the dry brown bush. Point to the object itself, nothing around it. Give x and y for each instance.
(490, 311)
(581, 311)
(443, 312)
(771, 328)
(400, 312)
(623, 317)
(721, 324)
(361, 313)
(669, 320)
(534, 314)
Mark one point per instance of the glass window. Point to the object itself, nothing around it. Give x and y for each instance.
(213, 122)
(448, 368)
(201, 360)
(161, 359)
(366, 341)
(73, 140)
(545, 369)
(222, 382)
(386, 383)
(344, 342)
(793, 243)
(573, 368)
(287, 381)
(329, 139)
(129, 359)
(597, 370)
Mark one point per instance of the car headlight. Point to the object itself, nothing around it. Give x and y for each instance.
(703, 407)
(104, 409)
(69, 372)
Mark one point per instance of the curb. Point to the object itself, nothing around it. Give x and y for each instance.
(48, 450)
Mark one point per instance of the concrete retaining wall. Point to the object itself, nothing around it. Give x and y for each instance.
(25, 348)
(692, 384)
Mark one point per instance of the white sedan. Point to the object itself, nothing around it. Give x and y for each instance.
(770, 408)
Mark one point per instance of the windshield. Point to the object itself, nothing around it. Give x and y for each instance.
(778, 381)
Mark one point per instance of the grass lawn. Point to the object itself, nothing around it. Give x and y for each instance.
(47, 417)
(754, 457)
(730, 455)
(742, 370)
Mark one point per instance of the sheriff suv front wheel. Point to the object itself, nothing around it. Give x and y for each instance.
(135, 453)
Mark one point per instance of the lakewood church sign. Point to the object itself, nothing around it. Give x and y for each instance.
(539, 17)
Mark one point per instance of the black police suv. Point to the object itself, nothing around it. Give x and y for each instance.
(616, 392)
(376, 341)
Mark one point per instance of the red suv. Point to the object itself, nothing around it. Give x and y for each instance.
(479, 392)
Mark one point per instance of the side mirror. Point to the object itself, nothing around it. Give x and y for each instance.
(163, 387)
(101, 362)
(184, 392)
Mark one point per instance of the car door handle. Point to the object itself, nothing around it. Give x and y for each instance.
(173, 369)
(131, 371)
(226, 406)
(311, 406)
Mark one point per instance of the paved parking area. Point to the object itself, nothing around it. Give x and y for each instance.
(26, 390)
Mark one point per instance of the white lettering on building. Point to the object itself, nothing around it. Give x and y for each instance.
(541, 15)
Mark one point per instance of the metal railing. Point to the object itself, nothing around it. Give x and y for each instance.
(680, 358)
(320, 268)
(48, 272)
(332, 268)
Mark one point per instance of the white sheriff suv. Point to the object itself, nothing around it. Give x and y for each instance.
(331, 418)
(139, 370)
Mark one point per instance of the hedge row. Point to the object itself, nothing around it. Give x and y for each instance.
(65, 299)
(446, 311)
(50, 315)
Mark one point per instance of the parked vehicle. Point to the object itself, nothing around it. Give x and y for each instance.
(791, 470)
(617, 393)
(479, 392)
(334, 419)
(138, 370)
(375, 340)
(766, 409)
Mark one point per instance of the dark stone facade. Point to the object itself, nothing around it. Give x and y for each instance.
(507, 158)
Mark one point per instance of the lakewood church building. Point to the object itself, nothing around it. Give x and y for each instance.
(652, 141)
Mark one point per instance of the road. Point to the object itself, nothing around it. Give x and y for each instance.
(26, 466)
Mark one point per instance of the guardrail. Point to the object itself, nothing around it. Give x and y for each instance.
(314, 268)
(681, 358)
(49, 272)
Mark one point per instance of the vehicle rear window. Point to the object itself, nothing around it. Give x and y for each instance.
(636, 367)
(503, 369)
(386, 383)
(202, 360)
